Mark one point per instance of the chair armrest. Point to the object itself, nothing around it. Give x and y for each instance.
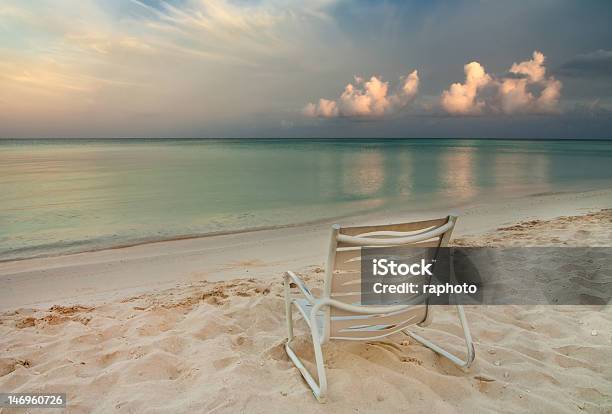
(289, 276)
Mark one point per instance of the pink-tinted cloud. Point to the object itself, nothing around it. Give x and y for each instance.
(460, 98)
(515, 94)
(367, 99)
(534, 69)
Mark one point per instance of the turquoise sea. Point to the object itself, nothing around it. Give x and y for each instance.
(61, 196)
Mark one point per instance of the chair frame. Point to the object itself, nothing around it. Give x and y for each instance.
(326, 302)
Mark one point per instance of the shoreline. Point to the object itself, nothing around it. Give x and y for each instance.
(108, 274)
(391, 210)
(147, 241)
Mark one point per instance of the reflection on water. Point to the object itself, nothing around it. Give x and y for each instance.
(540, 171)
(403, 178)
(363, 173)
(60, 196)
(459, 173)
(514, 170)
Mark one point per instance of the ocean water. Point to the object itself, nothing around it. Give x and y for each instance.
(62, 196)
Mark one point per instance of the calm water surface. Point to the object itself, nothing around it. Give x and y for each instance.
(64, 196)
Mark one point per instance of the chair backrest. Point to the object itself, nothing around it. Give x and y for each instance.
(343, 276)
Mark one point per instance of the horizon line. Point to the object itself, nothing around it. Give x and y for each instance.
(300, 138)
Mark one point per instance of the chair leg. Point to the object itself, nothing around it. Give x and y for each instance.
(318, 389)
(471, 353)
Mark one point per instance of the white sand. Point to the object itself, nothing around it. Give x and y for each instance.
(198, 325)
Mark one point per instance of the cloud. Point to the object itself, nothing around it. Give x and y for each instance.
(408, 91)
(515, 91)
(93, 66)
(593, 64)
(367, 99)
(533, 69)
(460, 98)
(324, 109)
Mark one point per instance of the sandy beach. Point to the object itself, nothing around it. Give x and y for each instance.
(172, 170)
(198, 325)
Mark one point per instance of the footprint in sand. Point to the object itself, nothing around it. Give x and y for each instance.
(396, 351)
(221, 363)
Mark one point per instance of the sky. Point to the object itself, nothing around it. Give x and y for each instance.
(289, 68)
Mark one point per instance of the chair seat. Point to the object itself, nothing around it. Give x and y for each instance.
(305, 307)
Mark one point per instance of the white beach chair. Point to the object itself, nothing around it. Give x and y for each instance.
(338, 314)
